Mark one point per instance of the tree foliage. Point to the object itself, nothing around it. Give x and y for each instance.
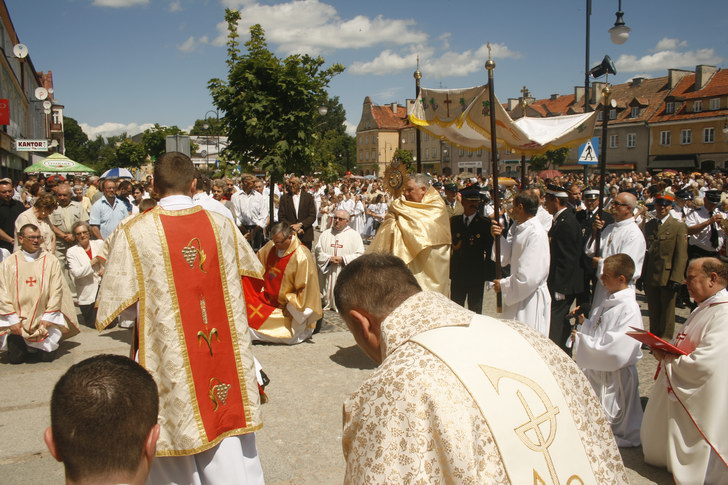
(270, 104)
(406, 157)
(550, 159)
(334, 149)
(154, 139)
(75, 141)
(215, 127)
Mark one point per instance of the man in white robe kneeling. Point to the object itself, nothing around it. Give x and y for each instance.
(525, 292)
(36, 308)
(608, 356)
(444, 406)
(336, 247)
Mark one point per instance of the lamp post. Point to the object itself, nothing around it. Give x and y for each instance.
(206, 127)
(619, 35)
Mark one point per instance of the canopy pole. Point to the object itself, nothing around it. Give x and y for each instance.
(602, 164)
(523, 171)
(418, 75)
(490, 65)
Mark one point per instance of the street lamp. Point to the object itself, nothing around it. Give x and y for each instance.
(206, 126)
(620, 32)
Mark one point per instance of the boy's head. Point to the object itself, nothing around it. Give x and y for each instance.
(104, 421)
(617, 272)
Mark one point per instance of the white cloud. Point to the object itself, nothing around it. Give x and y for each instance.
(350, 128)
(175, 6)
(193, 43)
(666, 44)
(112, 129)
(311, 26)
(119, 3)
(447, 64)
(666, 59)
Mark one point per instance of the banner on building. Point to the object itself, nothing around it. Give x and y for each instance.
(4, 112)
(31, 145)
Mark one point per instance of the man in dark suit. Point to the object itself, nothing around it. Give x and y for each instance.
(664, 270)
(297, 209)
(470, 263)
(566, 276)
(586, 221)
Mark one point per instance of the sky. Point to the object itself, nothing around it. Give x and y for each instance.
(123, 65)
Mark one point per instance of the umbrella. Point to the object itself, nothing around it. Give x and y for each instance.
(669, 170)
(117, 173)
(465, 175)
(549, 174)
(57, 163)
(506, 181)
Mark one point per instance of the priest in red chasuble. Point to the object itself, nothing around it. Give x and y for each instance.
(284, 306)
(181, 268)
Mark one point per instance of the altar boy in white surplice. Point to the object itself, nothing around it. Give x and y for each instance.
(608, 356)
(336, 247)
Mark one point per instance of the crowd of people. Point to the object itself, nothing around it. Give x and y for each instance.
(189, 262)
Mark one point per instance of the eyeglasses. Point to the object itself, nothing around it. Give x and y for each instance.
(340, 218)
(81, 233)
(617, 203)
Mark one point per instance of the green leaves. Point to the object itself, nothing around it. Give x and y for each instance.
(270, 105)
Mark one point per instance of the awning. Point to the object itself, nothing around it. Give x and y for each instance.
(685, 162)
(611, 167)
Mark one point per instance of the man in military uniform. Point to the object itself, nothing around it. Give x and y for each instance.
(470, 264)
(667, 257)
(454, 206)
(586, 221)
(566, 275)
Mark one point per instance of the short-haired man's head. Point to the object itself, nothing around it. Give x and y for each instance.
(26, 229)
(173, 173)
(102, 411)
(376, 283)
(529, 200)
(147, 204)
(620, 265)
(203, 182)
(421, 179)
(281, 228)
(715, 265)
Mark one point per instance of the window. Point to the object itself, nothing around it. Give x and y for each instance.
(427, 153)
(479, 152)
(669, 108)
(462, 152)
(698, 106)
(613, 141)
(57, 117)
(686, 137)
(631, 140)
(612, 114)
(635, 111)
(600, 115)
(361, 156)
(715, 103)
(366, 154)
(708, 135)
(665, 138)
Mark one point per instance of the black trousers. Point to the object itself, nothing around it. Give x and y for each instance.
(560, 328)
(256, 236)
(89, 315)
(473, 291)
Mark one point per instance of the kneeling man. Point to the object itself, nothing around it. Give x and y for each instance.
(446, 407)
(36, 308)
(284, 306)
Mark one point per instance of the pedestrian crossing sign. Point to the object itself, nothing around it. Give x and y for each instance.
(588, 152)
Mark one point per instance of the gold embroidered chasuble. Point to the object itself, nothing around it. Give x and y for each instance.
(289, 314)
(419, 234)
(420, 418)
(184, 268)
(32, 288)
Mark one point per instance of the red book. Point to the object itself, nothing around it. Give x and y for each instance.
(652, 340)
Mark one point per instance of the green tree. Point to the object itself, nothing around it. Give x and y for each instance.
(404, 156)
(76, 141)
(154, 139)
(130, 154)
(215, 127)
(269, 105)
(550, 159)
(334, 149)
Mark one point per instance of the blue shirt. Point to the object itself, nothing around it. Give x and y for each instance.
(107, 216)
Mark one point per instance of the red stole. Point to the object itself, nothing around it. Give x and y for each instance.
(261, 296)
(203, 313)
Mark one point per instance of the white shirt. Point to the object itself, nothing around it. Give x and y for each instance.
(702, 238)
(250, 209)
(207, 202)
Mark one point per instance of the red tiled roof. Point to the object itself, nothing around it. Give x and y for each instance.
(684, 90)
(386, 119)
